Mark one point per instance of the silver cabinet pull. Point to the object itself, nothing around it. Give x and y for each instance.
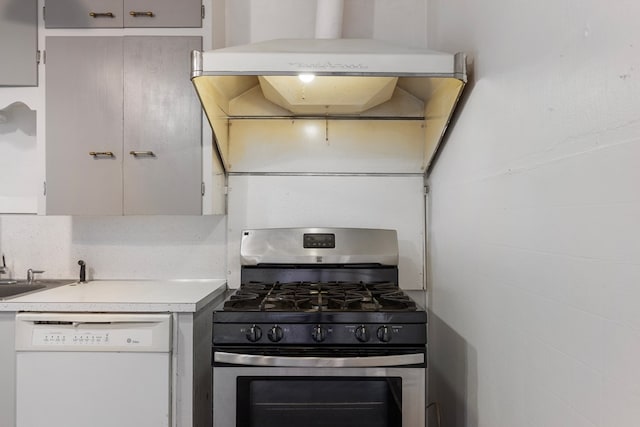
(142, 153)
(135, 14)
(101, 15)
(101, 154)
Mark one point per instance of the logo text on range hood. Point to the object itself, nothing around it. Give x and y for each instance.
(328, 66)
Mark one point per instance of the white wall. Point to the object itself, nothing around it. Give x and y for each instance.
(535, 217)
(391, 202)
(137, 247)
(403, 21)
(18, 160)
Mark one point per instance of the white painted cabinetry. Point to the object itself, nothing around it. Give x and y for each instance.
(122, 13)
(7, 369)
(123, 126)
(18, 43)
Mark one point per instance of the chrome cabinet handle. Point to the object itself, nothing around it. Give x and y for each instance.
(135, 14)
(101, 15)
(142, 153)
(101, 154)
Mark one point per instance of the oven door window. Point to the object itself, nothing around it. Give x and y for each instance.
(319, 401)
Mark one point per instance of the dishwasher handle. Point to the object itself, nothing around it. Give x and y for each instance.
(122, 323)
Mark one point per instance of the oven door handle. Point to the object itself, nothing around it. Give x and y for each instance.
(318, 362)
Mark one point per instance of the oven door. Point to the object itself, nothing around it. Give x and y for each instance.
(252, 390)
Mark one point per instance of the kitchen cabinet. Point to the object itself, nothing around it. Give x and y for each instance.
(18, 43)
(7, 369)
(122, 13)
(123, 126)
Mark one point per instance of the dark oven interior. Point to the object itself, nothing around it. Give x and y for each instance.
(319, 402)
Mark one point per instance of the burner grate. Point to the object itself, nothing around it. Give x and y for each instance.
(319, 296)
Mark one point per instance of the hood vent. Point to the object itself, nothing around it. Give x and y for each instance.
(329, 19)
(302, 103)
(327, 95)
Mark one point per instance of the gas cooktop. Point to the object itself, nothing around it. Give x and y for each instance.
(319, 286)
(319, 297)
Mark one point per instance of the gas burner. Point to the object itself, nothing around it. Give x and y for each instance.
(289, 286)
(320, 296)
(259, 288)
(378, 288)
(243, 300)
(345, 301)
(244, 296)
(397, 300)
(279, 303)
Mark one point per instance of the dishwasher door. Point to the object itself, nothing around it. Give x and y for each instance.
(98, 370)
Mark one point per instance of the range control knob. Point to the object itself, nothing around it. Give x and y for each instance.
(318, 333)
(275, 334)
(384, 333)
(362, 333)
(254, 333)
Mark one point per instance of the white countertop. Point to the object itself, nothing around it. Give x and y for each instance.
(122, 296)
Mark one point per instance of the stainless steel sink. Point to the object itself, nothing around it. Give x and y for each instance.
(15, 288)
(7, 291)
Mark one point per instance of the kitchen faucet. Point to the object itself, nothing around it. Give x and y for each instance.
(5, 270)
(83, 271)
(31, 275)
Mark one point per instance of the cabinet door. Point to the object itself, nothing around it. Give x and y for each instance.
(84, 116)
(7, 369)
(83, 14)
(162, 127)
(162, 13)
(18, 43)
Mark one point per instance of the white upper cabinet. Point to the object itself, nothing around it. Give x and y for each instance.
(123, 126)
(122, 13)
(18, 43)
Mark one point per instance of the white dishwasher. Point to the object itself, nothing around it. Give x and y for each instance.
(93, 369)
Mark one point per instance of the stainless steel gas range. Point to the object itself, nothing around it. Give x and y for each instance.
(319, 334)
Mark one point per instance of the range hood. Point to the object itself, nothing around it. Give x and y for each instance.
(327, 105)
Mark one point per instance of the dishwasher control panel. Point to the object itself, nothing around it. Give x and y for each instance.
(96, 337)
(94, 332)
